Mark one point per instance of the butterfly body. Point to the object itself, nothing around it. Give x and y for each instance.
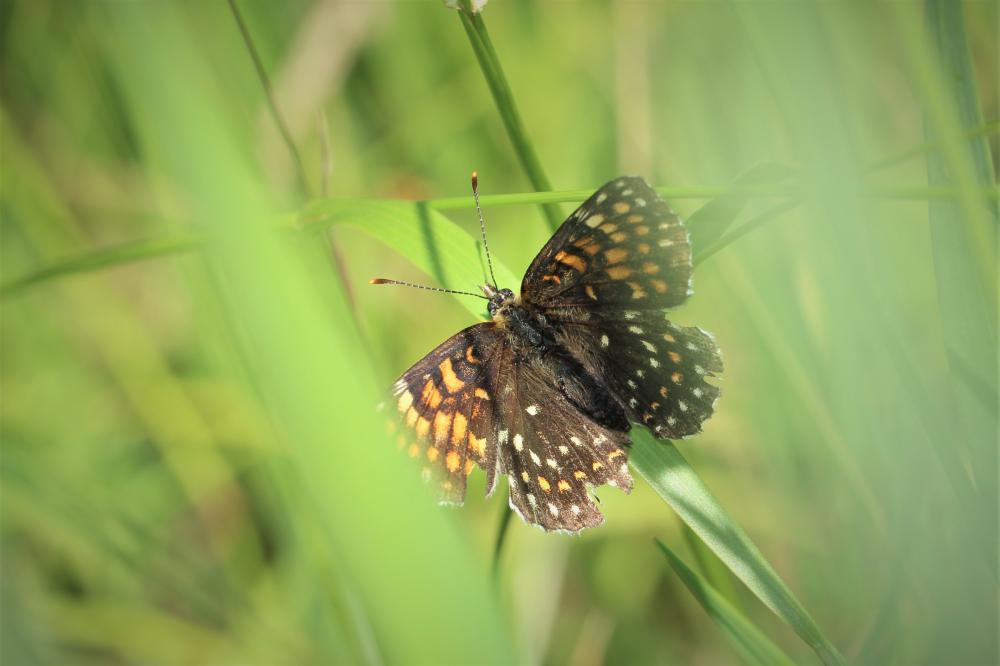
(546, 392)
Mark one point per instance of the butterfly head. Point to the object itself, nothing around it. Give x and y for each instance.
(499, 300)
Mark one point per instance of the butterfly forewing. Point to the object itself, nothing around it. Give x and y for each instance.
(623, 247)
(445, 409)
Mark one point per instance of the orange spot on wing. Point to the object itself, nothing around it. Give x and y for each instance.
(615, 254)
(552, 278)
(597, 465)
(643, 248)
(477, 445)
(432, 453)
(563, 485)
(470, 355)
(650, 268)
(458, 429)
(468, 467)
(621, 207)
(405, 401)
(448, 376)
(637, 290)
(481, 394)
(641, 230)
(411, 417)
(588, 245)
(453, 461)
(544, 483)
(579, 474)
(571, 260)
(659, 285)
(590, 292)
(634, 218)
(618, 272)
(617, 453)
(430, 396)
(676, 378)
(619, 236)
(423, 426)
(414, 450)
(674, 356)
(442, 426)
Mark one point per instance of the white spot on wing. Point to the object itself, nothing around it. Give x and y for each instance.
(594, 220)
(635, 329)
(553, 509)
(697, 392)
(575, 509)
(653, 362)
(518, 443)
(576, 440)
(681, 405)
(535, 459)
(564, 449)
(648, 345)
(532, 409)
(605, 341)
(503, 436)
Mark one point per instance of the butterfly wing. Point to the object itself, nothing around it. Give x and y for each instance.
(602, 282)
(474, 401)
(445, 402)
(622, 247)
(551, 451)
(659, 370)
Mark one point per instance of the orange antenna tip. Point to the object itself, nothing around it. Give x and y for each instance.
(475, 179)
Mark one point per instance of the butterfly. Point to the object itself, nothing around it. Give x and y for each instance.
(546, 391)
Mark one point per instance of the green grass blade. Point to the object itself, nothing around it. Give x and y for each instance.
(482, 46)
(673, 479)
(313, 374)
(710, 222)
(752, 644)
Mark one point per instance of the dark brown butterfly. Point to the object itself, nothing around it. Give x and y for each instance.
(546, 391)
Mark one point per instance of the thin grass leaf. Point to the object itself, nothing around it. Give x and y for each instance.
(665, 469)
(710, 222)
(482, 47)
(313, 375)
(752, 644)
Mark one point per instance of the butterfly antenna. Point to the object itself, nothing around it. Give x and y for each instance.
(421, 286)
(482, 225)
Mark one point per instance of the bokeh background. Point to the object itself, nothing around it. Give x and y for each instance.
(192, 472)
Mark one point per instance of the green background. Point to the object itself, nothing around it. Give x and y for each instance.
(192, 470)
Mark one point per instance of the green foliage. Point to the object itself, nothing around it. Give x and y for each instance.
(192, 468)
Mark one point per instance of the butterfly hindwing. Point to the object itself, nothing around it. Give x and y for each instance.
(658, 370)
(623, 247)
(552, 453)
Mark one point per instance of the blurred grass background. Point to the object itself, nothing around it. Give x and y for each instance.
(191, 469)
